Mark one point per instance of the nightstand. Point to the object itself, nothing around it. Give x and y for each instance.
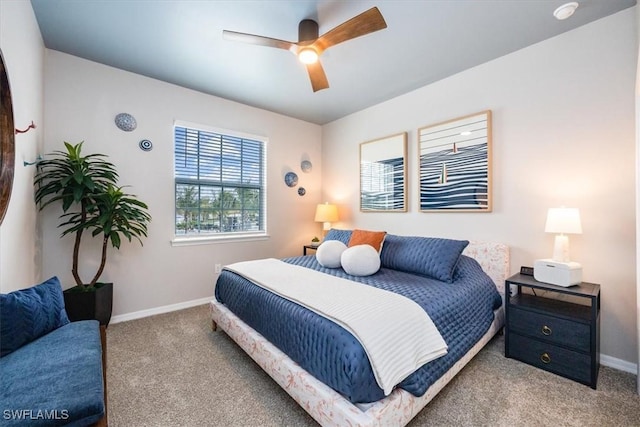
(305, 247)
(552, 334)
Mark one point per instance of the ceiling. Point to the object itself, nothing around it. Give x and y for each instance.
(180, 42)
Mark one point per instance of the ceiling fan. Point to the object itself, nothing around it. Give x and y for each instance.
(309, 46)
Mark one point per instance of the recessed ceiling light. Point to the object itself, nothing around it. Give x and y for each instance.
(566, 10)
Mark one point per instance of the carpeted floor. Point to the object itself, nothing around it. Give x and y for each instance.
(171, 370)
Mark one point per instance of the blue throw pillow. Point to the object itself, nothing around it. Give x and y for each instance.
(427, 256)
(28, 314)
(341, 235)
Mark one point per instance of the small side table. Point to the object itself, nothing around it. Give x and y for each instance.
(305, 247)
(555, 335)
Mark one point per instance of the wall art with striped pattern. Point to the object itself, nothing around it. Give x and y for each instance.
(455, 165)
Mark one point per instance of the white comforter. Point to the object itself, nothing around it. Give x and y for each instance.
(396, 333)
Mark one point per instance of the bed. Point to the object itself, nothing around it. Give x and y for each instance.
(254, 317)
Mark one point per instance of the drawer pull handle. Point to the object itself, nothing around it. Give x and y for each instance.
(546, 330)
(545, 358)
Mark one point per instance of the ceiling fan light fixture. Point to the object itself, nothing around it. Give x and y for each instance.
(565, 11)
(310, 46)
(308, 56)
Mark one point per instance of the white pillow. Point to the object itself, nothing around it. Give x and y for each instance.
(360, 260)
(329, 253)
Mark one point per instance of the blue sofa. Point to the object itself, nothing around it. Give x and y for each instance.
(51, 370)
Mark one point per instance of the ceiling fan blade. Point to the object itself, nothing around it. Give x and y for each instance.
(318, 77)
(365, 23)
(258, 40)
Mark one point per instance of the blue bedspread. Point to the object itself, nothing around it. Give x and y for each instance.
(462, 311)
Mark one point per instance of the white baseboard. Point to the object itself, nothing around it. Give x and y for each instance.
(159, 310)
(619, 364)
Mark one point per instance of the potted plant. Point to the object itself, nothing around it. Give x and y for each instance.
(315, 241)
(86, 186)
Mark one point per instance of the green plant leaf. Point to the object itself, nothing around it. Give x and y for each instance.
(115, 240)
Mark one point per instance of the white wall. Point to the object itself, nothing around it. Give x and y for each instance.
(638, 196)
(23, 52)
(81, 100)
(563, 134)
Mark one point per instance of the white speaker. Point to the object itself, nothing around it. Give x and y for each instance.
(557, 273)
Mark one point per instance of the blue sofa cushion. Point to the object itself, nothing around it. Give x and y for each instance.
(54, 380)
(30, 313)
(427, 256)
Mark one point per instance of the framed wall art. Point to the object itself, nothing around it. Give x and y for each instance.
(7, 140)
(383, 174)
(455, 165)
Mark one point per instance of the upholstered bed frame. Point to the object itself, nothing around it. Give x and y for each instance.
(328, 407)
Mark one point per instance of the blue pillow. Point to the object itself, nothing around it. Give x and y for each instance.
(341, 235)
(427, 256)
(28, 314)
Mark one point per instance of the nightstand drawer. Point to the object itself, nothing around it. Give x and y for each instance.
(555, 330)
(570, 364)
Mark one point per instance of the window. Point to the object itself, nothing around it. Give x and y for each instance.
(219, 183)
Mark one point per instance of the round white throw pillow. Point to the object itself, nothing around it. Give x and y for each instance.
(329, 253)
(360, 260)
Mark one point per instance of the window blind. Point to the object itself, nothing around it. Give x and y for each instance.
(219, 183)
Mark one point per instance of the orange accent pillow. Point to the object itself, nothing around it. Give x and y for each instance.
(364, 237)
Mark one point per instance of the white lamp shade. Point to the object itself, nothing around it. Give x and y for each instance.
(563, 221)
(326, 213)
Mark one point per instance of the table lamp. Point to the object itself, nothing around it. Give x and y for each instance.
(560, 270)
(562, 221)
(326, 214)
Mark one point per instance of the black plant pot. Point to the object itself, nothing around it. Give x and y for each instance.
(90, 304)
